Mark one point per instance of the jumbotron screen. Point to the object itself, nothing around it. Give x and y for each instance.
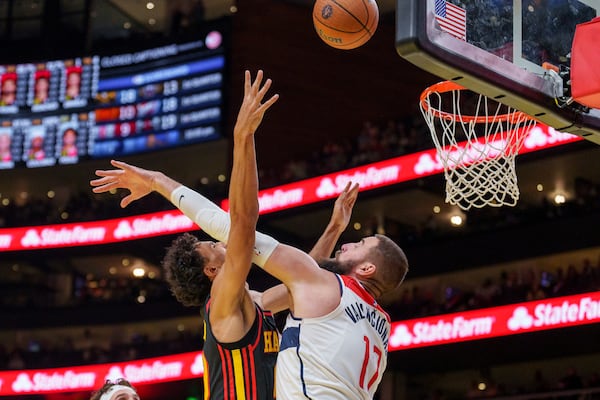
(101, 106)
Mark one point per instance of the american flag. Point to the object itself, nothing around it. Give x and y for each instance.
(452, 19)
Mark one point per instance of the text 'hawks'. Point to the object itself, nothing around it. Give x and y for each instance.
(271, 341)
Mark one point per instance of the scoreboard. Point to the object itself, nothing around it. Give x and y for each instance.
(64, 111)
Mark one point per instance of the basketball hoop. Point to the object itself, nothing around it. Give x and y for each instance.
(477, 148)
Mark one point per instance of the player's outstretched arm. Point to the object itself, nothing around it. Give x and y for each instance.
(340, 218)
(277, 299)
(228, 293)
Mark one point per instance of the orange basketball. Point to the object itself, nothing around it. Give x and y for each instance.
(345, 24)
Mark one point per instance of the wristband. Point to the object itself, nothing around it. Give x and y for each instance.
(215, 221)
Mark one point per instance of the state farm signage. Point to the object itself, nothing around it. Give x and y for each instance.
(91, 377)
(386, 173)
(513, 319)
(532, 316)
(308, 191)
(93, 233)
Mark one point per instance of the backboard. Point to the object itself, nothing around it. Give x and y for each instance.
(497, 48)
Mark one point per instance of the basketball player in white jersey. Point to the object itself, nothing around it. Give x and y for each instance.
(334, 344)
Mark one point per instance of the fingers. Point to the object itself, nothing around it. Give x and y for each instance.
(247, 80)
(108, 173)
(125, 201)
(104, 187)
(257, 81)
(258, 91)
(261, 93)
(120, 164)
(350, 189)
(101, 181)
(264, 107)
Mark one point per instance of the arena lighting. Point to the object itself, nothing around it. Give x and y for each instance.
(560, 199)
(456, 220)
(532, 316)
(308, 191)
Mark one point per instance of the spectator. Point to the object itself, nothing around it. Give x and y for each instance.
(570, 381)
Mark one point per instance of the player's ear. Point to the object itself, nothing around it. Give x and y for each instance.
(366, 270)
(210, 271)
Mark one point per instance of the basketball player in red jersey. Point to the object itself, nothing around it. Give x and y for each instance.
(241, 341)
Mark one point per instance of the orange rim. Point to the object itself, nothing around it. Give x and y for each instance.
(449, 86)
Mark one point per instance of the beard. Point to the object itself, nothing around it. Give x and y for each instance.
(335, 266)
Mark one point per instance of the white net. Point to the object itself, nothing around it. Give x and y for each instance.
(477, 148)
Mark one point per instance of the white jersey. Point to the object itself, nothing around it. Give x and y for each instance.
(339, 356)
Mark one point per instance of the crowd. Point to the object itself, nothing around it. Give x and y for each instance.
(509, 287)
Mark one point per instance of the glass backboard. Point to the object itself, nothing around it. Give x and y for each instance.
(498, 47)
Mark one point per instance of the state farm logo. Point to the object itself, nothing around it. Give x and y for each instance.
(458, 327)
(401, 336)
(22, 383)
(43, 382)
(520, 319)
(548, 314)
(280, 198)
(63, 236)
(541, 137)
(427, 165)
(136, 373)
(373, 176)
(31, 239)
(457, 155)
(149, 226)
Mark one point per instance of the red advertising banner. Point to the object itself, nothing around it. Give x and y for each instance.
(91, 377)
(308, 191)
(386, 173)
(96, 232)
(533, 316)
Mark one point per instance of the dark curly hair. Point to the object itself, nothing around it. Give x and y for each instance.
(184, 271)
(107, 385)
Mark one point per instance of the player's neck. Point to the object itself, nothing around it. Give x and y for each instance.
(372, 288)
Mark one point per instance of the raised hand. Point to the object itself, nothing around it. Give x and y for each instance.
(342, 209)
(252, 109)
(137, 180)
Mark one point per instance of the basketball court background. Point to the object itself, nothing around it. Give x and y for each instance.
(327, 93)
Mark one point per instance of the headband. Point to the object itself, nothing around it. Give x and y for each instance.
(108, 394)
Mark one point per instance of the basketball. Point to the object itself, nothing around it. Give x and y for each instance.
(345, 24)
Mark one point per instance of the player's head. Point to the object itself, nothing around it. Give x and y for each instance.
(374, 259)
(120, 389)
(190, 266)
